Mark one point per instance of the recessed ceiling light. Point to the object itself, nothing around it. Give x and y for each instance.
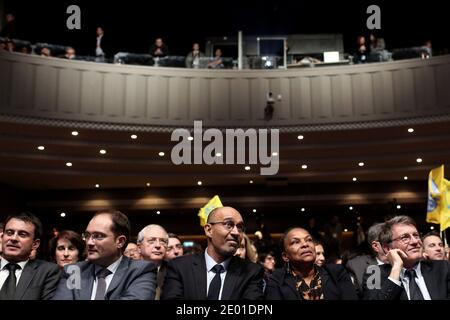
(63, 214)
(218, 154)
(75, 133)
(405, 178)
(133, 136)
(355, 179)
(410, 130)
(247, 168)
(41, 148)
(275, 154)
(161, 154)
(361, 164)
(190, 138)
(148, 184)
(199, 183)
(345, 230)
(419, 160)
(158, 212)
(350, 208)
(254, 210)
(97, 185)
(103, 151)
(399, 207)
(251, 181)
(304, 167)
(303, 209)
(432, 228)
(300, 137)
(69, 164)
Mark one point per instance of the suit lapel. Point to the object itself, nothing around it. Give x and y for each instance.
(291, 288)
(118, 275)
(87, 282)
(233, 274)
(25, 279)
(431, 282)
(199, 275)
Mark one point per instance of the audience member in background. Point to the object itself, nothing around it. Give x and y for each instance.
(376, 44)
(70, 53)
(67, 247)
(20, 277)
(46, 52)
(108, 274)
(320, 253)
(267, 260)
(1, 236)
(102, 48)
(175, 248)
(216, 274)
(10, 46)
(159, 49)
(433, 247)
(301, 278)
(153, 241)
(361, 51)
(407, 276)
(193, 57)
(132, 251)
(427, 50)
(358, 265)
(217, 62)
(246, 251)
(9, 29)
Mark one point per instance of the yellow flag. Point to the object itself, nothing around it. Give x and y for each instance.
(438, 208)
(210, 206)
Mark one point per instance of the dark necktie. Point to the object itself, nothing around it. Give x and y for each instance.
(414, 290)
(9, 287)
(216, 283)
(101, 284)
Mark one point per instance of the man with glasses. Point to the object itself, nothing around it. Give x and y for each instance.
(20, 277)
(216, 274)
(175, 248)
(107, 274)
(152, 242)
(407, 276)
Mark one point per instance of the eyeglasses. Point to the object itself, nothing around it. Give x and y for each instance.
(162, 241)
(179, 246)
(94, 236)
(406, 238)
(229, 225)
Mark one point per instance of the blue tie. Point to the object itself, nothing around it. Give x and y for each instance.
(414, 290)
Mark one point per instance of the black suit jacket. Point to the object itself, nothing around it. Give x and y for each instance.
(186, 279)
(106, 46)
(336, 284)
(133, 280)
(435, 273)
(38, 281)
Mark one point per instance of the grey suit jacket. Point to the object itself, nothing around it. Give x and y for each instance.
(133, 280)
(38, 281)
(186, 279)
(358, 265)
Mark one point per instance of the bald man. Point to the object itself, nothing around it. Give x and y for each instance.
(216, 274)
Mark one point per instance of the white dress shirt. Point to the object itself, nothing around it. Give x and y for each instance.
(419, 280)
(210, 263)
(113, 268)
(4, 273)
(99, 50)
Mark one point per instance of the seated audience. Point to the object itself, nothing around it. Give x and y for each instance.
(246, 251)
(407, 276)
(102, 47)
(70, 53)
(301, 278)
(132, 251)
(46, 52)
(217, 62)
(361, 51)
(66, 248)
(320, 253)
(193, 57)
(159, 49)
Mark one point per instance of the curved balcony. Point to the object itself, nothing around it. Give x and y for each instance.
(49, 90)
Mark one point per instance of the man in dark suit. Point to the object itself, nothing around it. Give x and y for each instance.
(35, 279)
(108, 274)
(358, 265)
(406, 276)
(216, 274)
(102, 47)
